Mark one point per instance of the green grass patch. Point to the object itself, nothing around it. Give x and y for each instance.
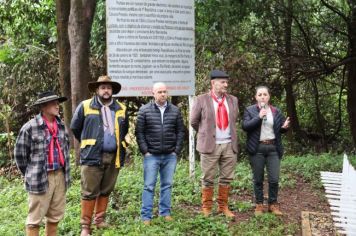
(125, 202)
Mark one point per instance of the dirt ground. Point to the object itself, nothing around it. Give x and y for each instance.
(292, 202)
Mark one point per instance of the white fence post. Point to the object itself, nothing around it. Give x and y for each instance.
(340, 189)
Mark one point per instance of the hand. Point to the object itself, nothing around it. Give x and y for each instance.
(263, 112)
(286, 123)
(173, 153)
(147, 154)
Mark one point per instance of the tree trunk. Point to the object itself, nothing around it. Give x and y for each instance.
(288, 70)
(63, 47)
(351, 76)
(319, 117)
(80, 22)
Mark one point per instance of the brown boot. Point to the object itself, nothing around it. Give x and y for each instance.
(51, 229)
(223, 198)
(32, 230)
(259, 210)
(86, 216)
(207, 200)
(100, 212)
(274, 209)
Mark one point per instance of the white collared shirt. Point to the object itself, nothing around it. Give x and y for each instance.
(162, 109)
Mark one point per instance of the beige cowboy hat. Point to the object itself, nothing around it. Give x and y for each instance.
(48, 96)
(116, 87)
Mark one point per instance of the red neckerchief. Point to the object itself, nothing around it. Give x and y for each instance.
(222, 118)
(54, 140)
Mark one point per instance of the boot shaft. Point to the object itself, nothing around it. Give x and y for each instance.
(207, 200)
(51, 229)
(32, 230)
(100, 211)
(223, 199)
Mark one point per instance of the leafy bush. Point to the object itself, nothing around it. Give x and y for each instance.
(4, 148)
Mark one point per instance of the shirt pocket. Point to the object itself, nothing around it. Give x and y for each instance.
(38, 146)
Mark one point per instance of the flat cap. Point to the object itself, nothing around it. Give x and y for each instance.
(216, 74)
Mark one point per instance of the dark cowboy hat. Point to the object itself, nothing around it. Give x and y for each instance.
(218, 74)
(116, 87)
(48, 96)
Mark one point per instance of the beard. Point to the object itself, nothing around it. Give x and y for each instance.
(106, 98)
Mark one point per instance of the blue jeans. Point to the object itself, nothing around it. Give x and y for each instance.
(165, 164)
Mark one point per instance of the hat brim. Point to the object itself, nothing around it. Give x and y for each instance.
(43, 101)
(116, 87)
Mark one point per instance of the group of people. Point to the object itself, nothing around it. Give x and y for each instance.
(100, 125)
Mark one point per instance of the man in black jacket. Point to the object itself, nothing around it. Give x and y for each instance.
(159, 133)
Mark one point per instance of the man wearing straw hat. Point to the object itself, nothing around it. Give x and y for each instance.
(42, 156)
(100, 124)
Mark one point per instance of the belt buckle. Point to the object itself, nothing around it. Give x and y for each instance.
(267, 142)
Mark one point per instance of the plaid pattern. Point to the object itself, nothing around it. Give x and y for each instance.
(31, 154)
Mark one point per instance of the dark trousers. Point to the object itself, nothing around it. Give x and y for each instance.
(100, 180)
(266, 156)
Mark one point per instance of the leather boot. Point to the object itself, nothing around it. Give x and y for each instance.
(274, 209)
(259, 209)
(100, 212)
(86, 216)
(32, 230)
(207, 200)
(223, 198)
(51, 229)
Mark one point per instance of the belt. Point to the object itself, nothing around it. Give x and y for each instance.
(267, 142)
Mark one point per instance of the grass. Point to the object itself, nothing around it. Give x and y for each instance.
(125, 202)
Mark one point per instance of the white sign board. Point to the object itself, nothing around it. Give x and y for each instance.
(151, 41)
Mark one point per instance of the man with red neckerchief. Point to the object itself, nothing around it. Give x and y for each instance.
(214, 116)
(42, 156)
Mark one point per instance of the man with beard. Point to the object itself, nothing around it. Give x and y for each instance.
(100, 124)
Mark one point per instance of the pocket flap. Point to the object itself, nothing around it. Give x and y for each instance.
(87, 142)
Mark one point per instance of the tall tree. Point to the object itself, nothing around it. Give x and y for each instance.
(79, 28)
(288, 67)
(63, 47)
(347, 13)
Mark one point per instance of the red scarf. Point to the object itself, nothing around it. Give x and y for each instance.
(54, 140)
(222, 118)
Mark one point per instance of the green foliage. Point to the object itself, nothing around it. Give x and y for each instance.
(266, 224)
(243, 177)
(4, 146)
(125, 202)
(309, 166)
(26, 73)
(98, 32)
(30, 22)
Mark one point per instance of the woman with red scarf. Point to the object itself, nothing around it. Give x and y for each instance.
(214, 116)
